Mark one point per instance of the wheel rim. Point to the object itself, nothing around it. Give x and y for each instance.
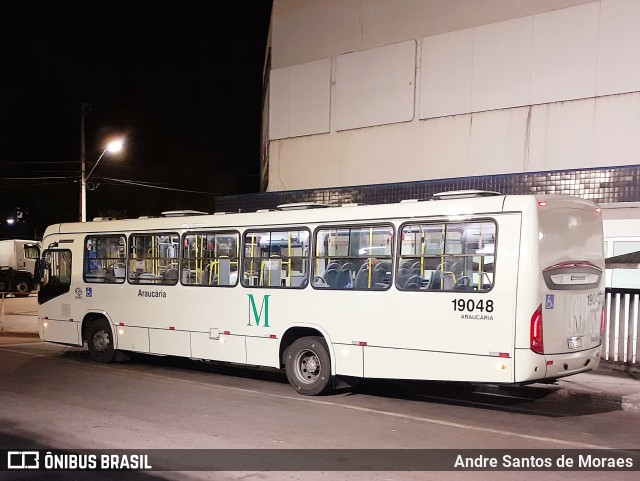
(101, 341)
(22, 287)
(308, 366)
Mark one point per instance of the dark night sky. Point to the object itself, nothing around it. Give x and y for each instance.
(181, 78)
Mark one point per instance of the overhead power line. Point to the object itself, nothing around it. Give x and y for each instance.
(155, 186)
(39, 178)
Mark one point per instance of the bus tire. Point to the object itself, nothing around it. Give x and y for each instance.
(100, 341)
(308, 366)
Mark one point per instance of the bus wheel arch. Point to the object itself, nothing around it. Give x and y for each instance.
(98, 334)
(307, 361)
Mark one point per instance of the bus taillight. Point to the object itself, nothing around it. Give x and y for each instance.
(536, 343)
(603, 324)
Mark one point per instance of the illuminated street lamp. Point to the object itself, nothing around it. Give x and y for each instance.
(113, 147)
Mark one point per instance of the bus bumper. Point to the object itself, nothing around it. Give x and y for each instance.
(532, 367)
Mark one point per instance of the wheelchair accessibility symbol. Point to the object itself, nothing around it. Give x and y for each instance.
(549, 301)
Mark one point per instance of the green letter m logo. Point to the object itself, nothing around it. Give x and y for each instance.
(253, 310)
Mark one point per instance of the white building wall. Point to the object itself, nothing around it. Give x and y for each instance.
(401, 90)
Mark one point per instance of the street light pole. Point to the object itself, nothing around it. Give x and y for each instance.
(83, 167)
(113, 147)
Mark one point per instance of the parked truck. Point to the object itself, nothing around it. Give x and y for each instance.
(17, 263)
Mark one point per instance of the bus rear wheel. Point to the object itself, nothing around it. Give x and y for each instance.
(100, 342)
(308, 366)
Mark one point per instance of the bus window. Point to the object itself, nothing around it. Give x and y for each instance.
(55, 274)
(104, 259)
(276, 258)
(353, 257)
(447, 256)
(153, 258)
(210, 259)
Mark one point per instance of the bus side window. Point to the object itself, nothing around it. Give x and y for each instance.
(277, 258)
(101, 256)
(353, 257)
(153, 258)
(446, 256)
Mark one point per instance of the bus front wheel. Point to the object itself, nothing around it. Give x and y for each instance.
(308, 366)
(100, 341)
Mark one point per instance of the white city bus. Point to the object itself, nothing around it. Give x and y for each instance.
(471, 286)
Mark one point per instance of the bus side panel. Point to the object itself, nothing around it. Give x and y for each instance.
(66, 332)
(131, 338)
(388, 363)
(461, 328)
(262, 351)
(228, 348)
(170, 342)
(349, 360)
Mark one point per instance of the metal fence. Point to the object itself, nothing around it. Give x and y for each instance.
(621, 331)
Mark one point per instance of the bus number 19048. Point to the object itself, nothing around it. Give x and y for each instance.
(469, 305)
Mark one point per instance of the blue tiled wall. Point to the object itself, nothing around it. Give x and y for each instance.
(602, 185)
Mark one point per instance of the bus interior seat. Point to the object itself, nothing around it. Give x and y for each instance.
(170, 275)
(331, 277)
(413, 282)
(463, 283)
(362, 277)
(442, 280)
(382, 274)
(402, 277)
(346, 275)
(319, 281)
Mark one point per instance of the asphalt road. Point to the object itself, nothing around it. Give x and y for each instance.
(54, 397)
